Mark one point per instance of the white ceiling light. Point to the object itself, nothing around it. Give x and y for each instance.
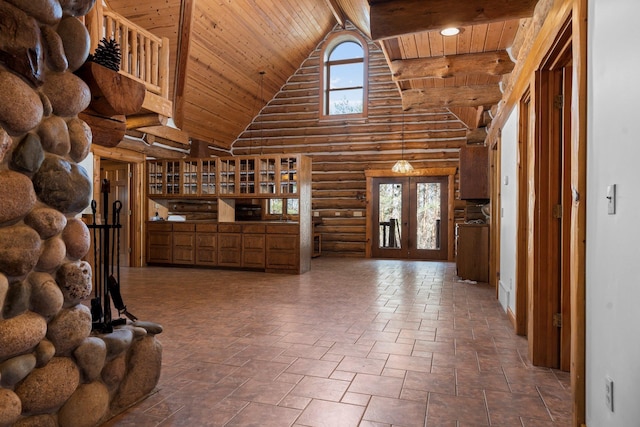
(451, 31)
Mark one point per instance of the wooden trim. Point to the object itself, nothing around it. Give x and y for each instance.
(378, 173)
(524, 136)
(512, 317)
(495, 159)
(578, 211)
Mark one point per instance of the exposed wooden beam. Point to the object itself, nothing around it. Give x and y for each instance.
(394, 18)
(463, 96)
(477, 136)
(151, 150)
(167, 132)
(184, 43)
(337, 11)
(152, 139)
(491, 63)
(157, 104)
(142, 120)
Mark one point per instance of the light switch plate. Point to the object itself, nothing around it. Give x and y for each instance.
(611, 199)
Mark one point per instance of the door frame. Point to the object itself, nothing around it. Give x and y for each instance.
(137, 202)
(426, 172)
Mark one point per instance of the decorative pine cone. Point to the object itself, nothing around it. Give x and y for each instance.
(107, 54)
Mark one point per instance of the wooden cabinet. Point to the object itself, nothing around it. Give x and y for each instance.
(472, 258)
(268, 246)
(283, 249)
(183, 239)
(159, 242)
(207, 244)
(474, 172)
(239, 176)
(229, 245)
(212, 188)
(253, 246)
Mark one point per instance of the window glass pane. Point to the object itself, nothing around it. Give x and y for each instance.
(346, 50)
(292, 207)
(345, 101)
(346, 75)
(389, 211)
(275, 206)
(428, 216)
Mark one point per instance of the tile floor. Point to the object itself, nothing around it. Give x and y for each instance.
(353, 342)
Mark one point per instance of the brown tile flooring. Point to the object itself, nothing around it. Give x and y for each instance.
(353, 342)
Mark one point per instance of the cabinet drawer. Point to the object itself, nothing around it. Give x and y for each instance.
(178, 226)
(207, 228)
(159, 226)
(253, 228)
(229, 228)
(283, 228)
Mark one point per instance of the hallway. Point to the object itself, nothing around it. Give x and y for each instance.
(353, 342)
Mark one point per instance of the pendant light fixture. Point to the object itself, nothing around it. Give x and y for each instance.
(402, 166)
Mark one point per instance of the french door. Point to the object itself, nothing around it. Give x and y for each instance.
(409, 217)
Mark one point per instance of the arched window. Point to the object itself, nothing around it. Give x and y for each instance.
(344, 81)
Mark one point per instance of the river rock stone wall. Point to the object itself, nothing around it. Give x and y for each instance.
(54, 371)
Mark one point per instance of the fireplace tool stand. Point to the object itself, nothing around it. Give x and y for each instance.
(106, 265)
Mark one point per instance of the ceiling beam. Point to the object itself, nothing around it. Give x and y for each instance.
(491, 63)
(398, 17)
(456, 96)
(337, 12)
(167, 132)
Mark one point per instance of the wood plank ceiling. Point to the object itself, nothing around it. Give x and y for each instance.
(220, 48)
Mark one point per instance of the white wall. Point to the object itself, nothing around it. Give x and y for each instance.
(613, 241)
(509, 208)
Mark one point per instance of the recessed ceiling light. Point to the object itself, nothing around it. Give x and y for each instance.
(451, 31)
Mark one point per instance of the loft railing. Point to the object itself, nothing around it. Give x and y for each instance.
(145, 57)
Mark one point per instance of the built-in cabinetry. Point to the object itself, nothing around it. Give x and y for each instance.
(268, 246)
(240, 176)
(474, 172)
(472, 258)
(226, 184)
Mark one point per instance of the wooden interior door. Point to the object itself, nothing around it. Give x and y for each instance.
(410, 217)
(118, 174)
(549, 329)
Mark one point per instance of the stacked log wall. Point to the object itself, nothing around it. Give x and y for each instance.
(342, 149)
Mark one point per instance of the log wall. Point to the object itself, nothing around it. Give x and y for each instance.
(342, 150)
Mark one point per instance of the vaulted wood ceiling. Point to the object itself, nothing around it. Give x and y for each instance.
(220, 48)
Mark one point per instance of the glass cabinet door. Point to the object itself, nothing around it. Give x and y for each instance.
(173, 176)
(288, 175)
(227, 174)
(155, 174)
(247, 176)
(190, 177)
(208, 177)
(267, 176)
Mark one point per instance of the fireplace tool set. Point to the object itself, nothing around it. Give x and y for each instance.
(106, 265)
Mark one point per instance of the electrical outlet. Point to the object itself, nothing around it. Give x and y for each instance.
(608, 384)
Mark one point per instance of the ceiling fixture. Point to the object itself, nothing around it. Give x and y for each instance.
(451, 31)
(402, 166)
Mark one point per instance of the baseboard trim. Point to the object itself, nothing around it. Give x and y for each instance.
(512, 319)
